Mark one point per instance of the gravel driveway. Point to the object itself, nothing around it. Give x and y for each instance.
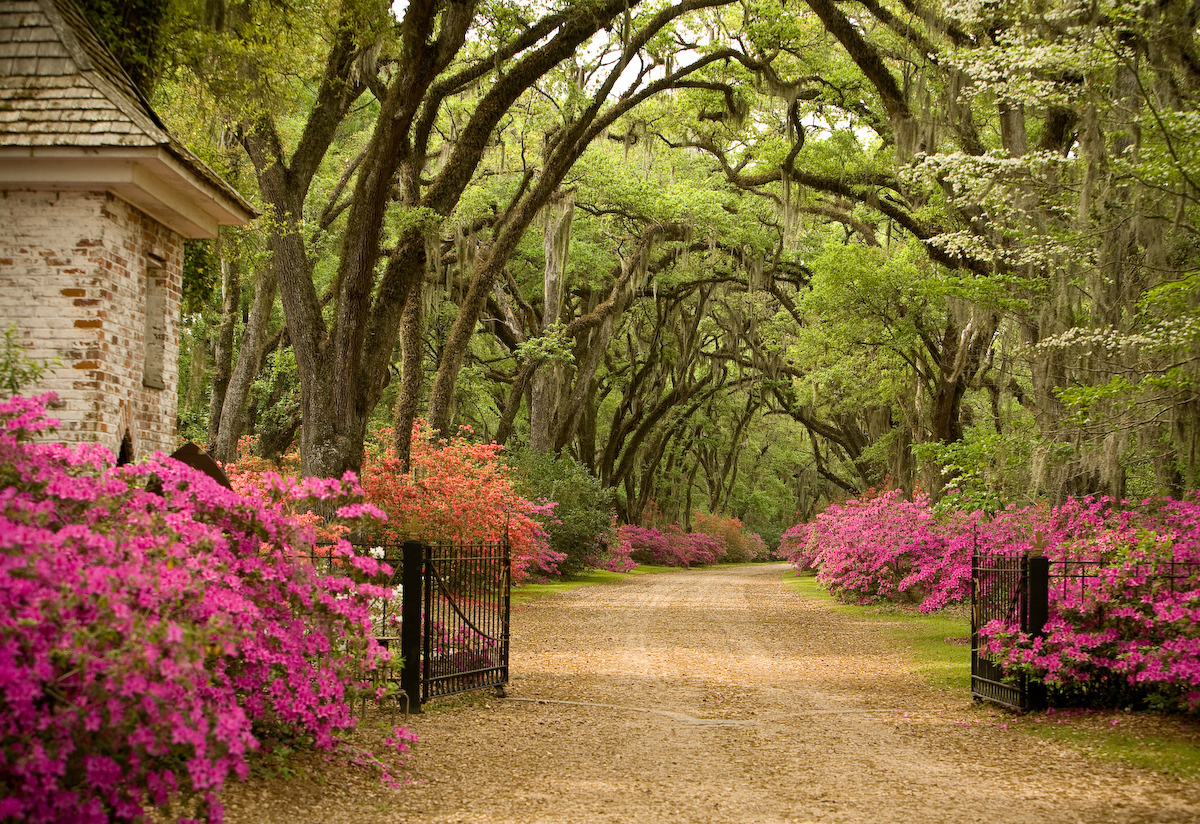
(718, 695)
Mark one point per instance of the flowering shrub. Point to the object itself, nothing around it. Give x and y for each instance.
(740, 546)
(619, 554)
(259, 479)
(884, 547)
(671, 548)
(457, 492)
(148, 640)
(1124, 624)
(869, 548)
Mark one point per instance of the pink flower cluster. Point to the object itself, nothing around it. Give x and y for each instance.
(674, 547)
(618, 558)
(1124, 621)
(149, 639)
(1124, 594)
(885, 547)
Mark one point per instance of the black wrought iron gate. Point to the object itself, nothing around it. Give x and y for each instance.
(1012, 589)
(455, 618)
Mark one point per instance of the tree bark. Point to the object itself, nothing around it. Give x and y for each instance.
(412, 375)
(231, 298)
(249, 363)
(547, 379)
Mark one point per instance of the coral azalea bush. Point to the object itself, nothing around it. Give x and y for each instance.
(459, 492)
(148, 639)
(740, 545)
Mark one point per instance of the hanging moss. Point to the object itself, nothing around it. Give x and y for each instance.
(201, 274)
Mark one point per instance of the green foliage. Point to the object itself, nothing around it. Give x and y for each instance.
(552, 345)
(136, 32)
(983, 471)
(201, 274)
(582, 523)
(864, 310)
(16, 370)
(276, 396)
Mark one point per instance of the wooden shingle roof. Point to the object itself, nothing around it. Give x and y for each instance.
(62, 91)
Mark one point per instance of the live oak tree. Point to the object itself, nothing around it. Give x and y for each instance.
(899, 225)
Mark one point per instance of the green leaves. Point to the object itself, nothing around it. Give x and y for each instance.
(16, 370)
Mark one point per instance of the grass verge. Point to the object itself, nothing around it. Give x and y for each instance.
(940, 648)
(1168, 744)
(938, 643)
(525, 593)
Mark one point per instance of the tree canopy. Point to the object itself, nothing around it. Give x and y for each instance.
(742, 257)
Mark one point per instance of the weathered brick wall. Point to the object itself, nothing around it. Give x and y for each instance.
(73, 277)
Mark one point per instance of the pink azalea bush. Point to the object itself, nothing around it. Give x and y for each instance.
(874, 548)
(620, 556)
(1124, 623)
(1124, 596)
(672, 547)
(887, 548)
(149, 641)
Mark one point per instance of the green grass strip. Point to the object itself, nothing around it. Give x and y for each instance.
(937, 643)
(1172, 748)
(525, 593)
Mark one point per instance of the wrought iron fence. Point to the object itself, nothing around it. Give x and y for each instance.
(466, 618)
(447, 613)
(1017, 590)
(1012, 589)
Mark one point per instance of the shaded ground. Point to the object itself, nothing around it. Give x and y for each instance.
(717, 695)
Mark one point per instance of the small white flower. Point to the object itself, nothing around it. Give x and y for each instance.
(376, 552)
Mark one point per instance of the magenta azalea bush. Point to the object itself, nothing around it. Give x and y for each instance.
(149, 640)
(1125, 583)
(885, 547)
(674, 547)
(1124, 624)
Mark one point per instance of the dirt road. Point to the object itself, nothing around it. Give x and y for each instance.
(719, 695)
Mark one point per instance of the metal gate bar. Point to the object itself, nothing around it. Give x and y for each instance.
(1015, 590)
(456, 615)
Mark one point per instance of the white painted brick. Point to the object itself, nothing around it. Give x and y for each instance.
(72, 277)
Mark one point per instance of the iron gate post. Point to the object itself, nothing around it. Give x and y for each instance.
(976, 622)
(1038, 613)
(412, 575)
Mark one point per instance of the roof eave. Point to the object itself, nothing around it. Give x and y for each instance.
(151, 178)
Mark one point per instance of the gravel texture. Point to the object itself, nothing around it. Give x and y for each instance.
(714, 695)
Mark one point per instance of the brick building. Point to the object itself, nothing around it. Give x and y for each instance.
(96, 199)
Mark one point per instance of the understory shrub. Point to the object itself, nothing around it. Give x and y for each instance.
(149, 639)
(457, 491)
(580, 528)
